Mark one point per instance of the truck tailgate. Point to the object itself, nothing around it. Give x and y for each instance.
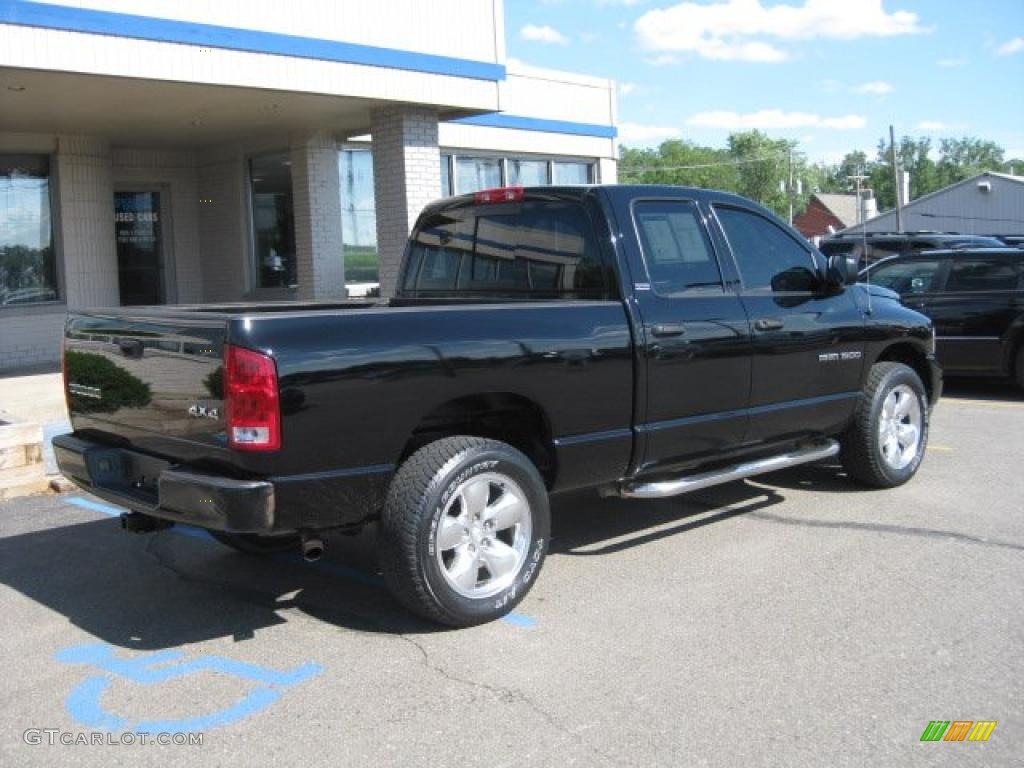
(151, 381)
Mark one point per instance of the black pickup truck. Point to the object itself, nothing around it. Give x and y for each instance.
(644, 341)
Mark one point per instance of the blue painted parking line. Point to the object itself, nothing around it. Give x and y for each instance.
(519, 620)
(95, 506)
(84, 701)
(344, 571)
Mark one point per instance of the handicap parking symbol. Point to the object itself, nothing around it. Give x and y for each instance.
(84, 701)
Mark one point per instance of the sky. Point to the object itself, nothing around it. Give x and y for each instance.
(832, 74)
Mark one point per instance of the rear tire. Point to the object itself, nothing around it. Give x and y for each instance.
(464, 530)
(257, 544)
(1019, 366)
(886, 442)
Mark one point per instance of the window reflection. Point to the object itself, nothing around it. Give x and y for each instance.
(476, 173)
(28, 270)
(273, 219)
(359, 217)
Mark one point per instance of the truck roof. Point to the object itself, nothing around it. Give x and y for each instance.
(618, 194)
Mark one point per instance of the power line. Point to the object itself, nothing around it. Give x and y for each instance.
(963, 218)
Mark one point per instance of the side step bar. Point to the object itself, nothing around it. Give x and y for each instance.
(663, 488)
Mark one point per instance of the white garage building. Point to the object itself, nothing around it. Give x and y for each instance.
(987, 204)
(155, 151)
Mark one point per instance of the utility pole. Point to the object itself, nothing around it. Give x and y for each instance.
(857, 178)
(896, 180)
(789, 189)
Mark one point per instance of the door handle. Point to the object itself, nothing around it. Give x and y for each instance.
(662, 330)
(769, 324)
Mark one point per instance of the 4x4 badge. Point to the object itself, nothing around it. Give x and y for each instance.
(200, 411)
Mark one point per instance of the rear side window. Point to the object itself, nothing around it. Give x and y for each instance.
(768, 257)
(675, 248)
(512, 250)
(982, 275)
(907, 276)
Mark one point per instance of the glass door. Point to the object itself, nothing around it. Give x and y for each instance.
(140, 258)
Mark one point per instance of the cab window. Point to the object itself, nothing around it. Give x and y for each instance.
(513, 250)
(675, 248)
(768, 257)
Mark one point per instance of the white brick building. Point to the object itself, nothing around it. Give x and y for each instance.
(155, 151)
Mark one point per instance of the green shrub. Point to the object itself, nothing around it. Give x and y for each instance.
(118, 388)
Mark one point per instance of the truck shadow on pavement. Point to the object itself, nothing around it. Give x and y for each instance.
(582, 524)
(178, 586)
(995, 390)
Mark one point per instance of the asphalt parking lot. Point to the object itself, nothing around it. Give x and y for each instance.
(791, 620)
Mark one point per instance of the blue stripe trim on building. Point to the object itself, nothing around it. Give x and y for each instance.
(521, 123)
(755, 411)
(33, 14)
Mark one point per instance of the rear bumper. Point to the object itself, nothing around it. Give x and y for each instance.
(155, 487)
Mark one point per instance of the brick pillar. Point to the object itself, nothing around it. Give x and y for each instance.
(316, 188)
(86, 198)
(407, 176)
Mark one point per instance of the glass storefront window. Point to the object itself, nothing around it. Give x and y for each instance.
(359, 217)
(358, 207)
(446, 175)
(527, 173)
(273, 220)
(475, 173)
(28, 269)
(571, 173)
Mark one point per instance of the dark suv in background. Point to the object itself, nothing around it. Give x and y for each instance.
(869, 247)
(974, 296)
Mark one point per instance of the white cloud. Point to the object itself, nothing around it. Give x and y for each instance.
(662, 60)
(875, 88)
(1016, 45)
(769, 119)
(729, 30)
(626, 88)
(643, 134)
(951, 63)
(934, 126)
(543, 34)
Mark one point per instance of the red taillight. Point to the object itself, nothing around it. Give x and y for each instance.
(251, 404)
(500, 195)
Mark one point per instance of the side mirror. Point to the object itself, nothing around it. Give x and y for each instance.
(842, 270)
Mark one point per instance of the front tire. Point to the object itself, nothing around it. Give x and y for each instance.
(464, 530)
(886, 442)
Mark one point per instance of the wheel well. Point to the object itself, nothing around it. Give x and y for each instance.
(910, 356)
(503, 416)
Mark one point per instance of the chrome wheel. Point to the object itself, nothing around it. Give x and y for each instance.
(483, 536)
(900, 427)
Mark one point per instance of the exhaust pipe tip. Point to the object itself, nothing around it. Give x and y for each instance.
(312, 549)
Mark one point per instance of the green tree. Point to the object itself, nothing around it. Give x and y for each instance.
(962, 158)
(762, 166)
(678, 162)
